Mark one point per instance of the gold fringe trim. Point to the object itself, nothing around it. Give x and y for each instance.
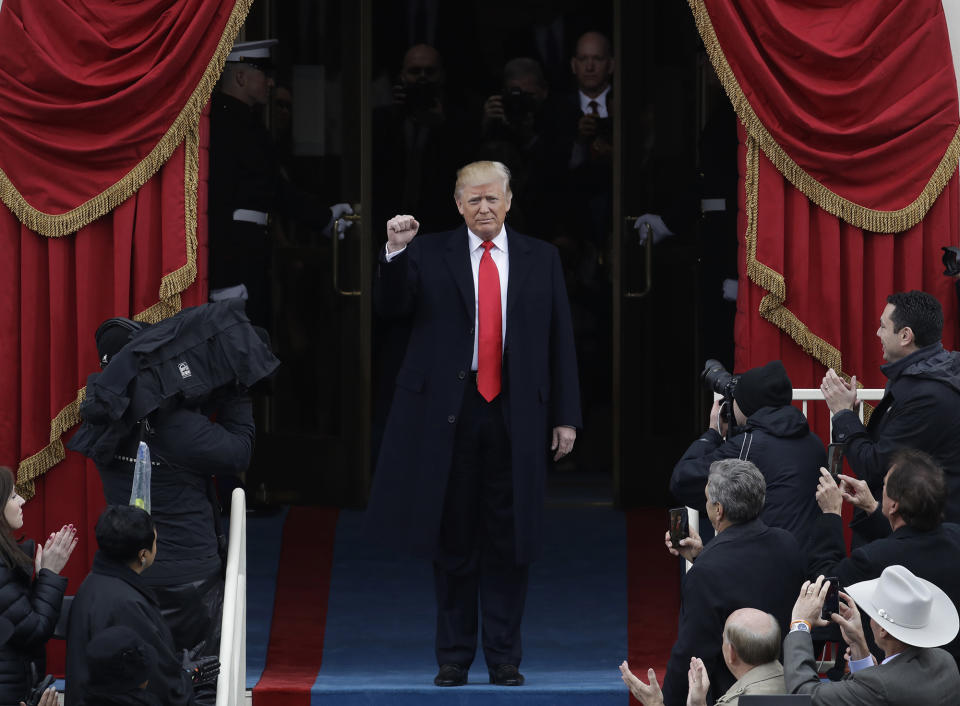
(771, 306)
(831, 202)
(59, 225)
(171, 284)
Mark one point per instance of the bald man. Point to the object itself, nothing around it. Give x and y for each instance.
(751, 645)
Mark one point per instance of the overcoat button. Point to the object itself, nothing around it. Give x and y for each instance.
(451, 419)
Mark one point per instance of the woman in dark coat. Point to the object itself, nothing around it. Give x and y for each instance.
(30, 603)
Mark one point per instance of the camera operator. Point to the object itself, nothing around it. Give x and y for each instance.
(767, 430)
(519, 128)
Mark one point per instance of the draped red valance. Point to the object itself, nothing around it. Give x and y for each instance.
(95, 95)
(854, 101)
(848, 163)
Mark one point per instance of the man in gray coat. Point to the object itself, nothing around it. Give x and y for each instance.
(909, 617)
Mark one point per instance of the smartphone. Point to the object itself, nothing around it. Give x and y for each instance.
(835, 461)
(831, 604)
(679, 525)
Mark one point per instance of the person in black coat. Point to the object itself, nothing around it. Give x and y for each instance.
(31, 604)
(463, 462)
(914, 495)
(775, 436)
(746, 565)
(186, 449)
(114, 593)
(120, 663)
(920, 406)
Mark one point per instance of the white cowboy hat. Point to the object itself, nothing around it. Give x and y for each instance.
(910, 608)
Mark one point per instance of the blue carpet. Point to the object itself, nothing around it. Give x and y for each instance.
(379, 638)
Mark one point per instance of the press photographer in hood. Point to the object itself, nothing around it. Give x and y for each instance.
(768, 430)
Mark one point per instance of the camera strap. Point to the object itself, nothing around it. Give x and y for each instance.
(745, 446)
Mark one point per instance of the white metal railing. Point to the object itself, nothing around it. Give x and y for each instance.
(232, 682)
(807, 395)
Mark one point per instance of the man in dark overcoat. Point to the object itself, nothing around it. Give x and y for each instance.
(746, 565)
(487, 385)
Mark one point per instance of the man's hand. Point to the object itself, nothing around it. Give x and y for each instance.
(838, 393)
(49, 698)
(647, 694)
(851, 627)
(828, 493)
(400, 231)
(857, 493)
(563, 438)
(698, 683)
(493, 110)
(690, 547)
(587, 128)
(810, 602)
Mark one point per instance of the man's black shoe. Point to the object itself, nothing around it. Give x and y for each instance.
(451, 675)
(506, 675)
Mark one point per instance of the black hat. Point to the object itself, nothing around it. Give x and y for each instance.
(118, 661)
(768, 386)
(112, 335)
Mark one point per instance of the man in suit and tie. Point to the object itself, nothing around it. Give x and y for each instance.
(487, 385)
(909, 617)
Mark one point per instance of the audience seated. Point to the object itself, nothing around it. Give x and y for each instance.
(747, 565)
(29, 604)
(751, 648)
(914, 495)
(115, 594)
(909, 619)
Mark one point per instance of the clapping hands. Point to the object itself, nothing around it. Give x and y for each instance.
(55, 552)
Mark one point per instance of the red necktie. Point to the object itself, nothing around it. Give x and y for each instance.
(490, 320)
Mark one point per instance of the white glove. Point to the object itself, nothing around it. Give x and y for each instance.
(730, 287)
(338, 210)
(659, 228)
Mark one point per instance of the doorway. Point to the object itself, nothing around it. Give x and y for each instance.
(638, 310)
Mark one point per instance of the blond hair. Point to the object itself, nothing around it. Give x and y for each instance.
(482, 173)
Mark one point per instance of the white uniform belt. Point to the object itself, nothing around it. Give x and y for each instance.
(261, 218)
(706, 205)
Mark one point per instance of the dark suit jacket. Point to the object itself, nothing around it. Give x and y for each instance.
(745, 566)
(432, 282)
(930, 555)
(919, 677)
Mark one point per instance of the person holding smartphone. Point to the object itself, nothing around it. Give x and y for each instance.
(914, 494)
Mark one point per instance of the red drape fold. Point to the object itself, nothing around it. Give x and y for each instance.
(854, 101)
(100, 93)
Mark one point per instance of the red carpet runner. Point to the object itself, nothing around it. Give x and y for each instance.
(653, 593)
(300, 608)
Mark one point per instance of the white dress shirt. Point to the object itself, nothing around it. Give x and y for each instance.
(499, 254)
(601, 103)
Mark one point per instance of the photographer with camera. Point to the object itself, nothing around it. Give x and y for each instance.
(519, 128)
(756, 421)
(424, 136)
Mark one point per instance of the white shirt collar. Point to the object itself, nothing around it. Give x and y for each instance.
(585, 100)
(500, 241)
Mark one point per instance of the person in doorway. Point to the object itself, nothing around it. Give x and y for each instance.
(488, 382)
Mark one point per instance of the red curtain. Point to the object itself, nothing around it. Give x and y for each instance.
(848, 161)
(103, 164)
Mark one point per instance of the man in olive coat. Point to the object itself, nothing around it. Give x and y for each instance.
(462, 466)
